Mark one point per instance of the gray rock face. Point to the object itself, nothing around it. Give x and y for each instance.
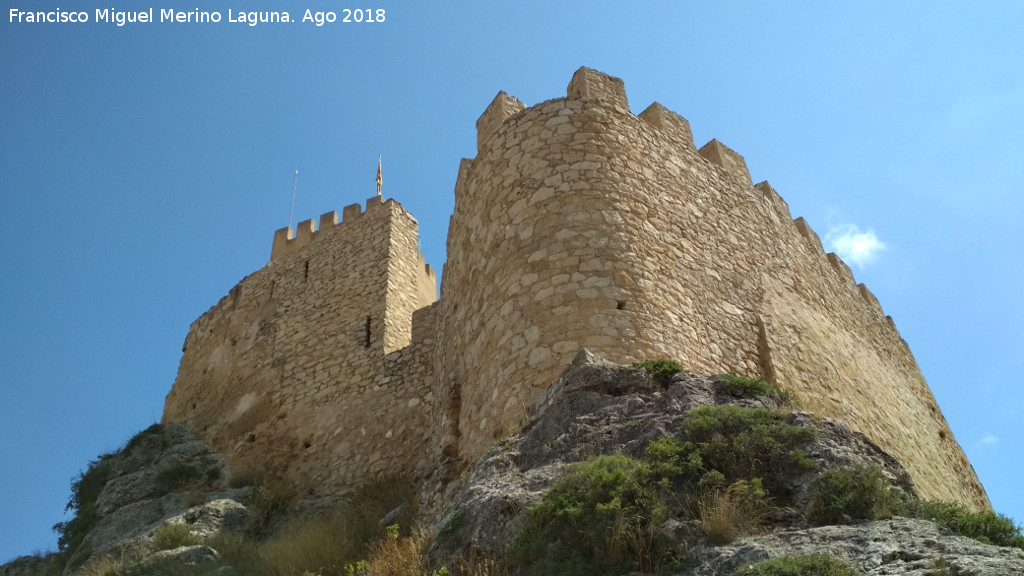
(214, 517)
(903, 546)
(164, 475)
(189, 555)
(27, 566)
(600, 408)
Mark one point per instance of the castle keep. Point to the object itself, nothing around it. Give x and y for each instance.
(577, 225)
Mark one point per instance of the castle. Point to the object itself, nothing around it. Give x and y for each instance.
(577, 225)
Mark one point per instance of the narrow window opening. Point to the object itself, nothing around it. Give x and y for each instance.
(367, 341)
(620, 305)
(306, 274)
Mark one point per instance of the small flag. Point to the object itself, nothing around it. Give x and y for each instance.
(380, 180)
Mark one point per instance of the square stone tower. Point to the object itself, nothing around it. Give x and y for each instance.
(288, 368)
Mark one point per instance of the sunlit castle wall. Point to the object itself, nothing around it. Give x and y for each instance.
(306, 370)
(579, 224)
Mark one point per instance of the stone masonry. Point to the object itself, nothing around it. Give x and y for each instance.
(577, 225)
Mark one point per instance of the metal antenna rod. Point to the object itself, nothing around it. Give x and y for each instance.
(291, 212)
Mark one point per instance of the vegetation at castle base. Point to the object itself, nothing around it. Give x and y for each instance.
(855, 493)
(985, 526)
(265, 504)
(85, 490)
(863, 493)
(603, 517)
(171, 536)
(742, 386)
(87, 486)
(325, 545)
(725, 512)
(725, 444)
(728, 469)
(799, 565)
(600, 519)
(661, 370)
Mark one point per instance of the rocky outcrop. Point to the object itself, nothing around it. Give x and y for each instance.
(903, 546)
(164, 475)
(37, 565)
(599, 408)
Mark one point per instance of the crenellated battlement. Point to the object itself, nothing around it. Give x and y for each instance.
(577, 225)
(287, 241)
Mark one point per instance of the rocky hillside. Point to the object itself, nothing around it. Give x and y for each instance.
(164, 476)
(615, 470)
(595, 428)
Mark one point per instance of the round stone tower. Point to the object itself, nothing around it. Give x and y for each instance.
(581, 225)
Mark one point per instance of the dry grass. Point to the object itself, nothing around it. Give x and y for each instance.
(240, 552)
(369, 503)
(320, 546)
(106, 564)
(394, 556)
(726, 514)
(477, 565)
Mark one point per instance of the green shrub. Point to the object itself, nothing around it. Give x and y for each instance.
(744, 444)
(134, 441)
(799, 565)
(661, 370)
(178, 476)
(985, 526)
(855, 493)
(669, 459)
(602, 518)
(85, 489)
(736, 385)
(170, 536)
(264, 504)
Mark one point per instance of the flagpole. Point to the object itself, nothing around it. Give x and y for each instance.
(380, 180)
(291, 212)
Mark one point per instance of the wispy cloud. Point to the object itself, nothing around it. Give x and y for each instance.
(852, 245)
(989, 440)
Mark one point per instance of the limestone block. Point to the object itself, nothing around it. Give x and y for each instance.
(720, 154)
(589, 85)
(500, 109)
(675, 125)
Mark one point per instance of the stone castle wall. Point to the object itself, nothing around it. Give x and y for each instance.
(578, 224)
(293, 370)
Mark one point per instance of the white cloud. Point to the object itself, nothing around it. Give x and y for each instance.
(852, 245)
(989, 440)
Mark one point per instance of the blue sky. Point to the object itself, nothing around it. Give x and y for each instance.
(146, 167)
